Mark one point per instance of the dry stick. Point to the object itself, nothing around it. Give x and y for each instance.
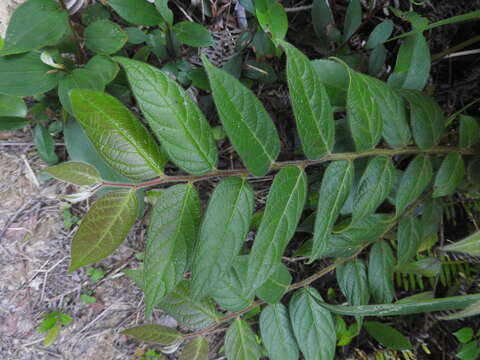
(455, 48)
(301, 163)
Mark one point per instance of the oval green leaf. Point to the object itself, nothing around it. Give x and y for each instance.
(192, 34)
(272, 18)
(387, 335)
(275, 287)
(469, 131)
(380, 34)
(105, 37)
(196, 349)
(104, 67)
(335, 79)
(241, 343)
(44, 144)
(409, 238)
(449, 176)
(12, 106)
(138, 12)
(154, 333)
(380, 272)
(352, 279)
(75, 172)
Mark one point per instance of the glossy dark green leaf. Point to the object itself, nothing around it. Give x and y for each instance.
(440, 304)
(426, 118)
(154, 333)
(275, 287)
(245, 121)
(34, 24)
(380, 273)
(469, 131)
(409, 238)
(374, 187)
(196, 314)
(12, 106)
(13, 123)
(117, 134)
(78, 79)
(27, 75)
(336, 184)
(387, 335)
(175, 119)
(75, 172)
(414, 181)
(241, 343)
(449, 175)
(138, 12)
(45, 145)
(104, 67)
(283, 210)
(353, 19)
(196, 349)
(363, 112)
(104, 228)
(277, 333)
(272, 18)
(310, 103)
(172, 235)
(412, 68)
(335, 79)
(312, 325)
(105, 37)
(223, 232)
(380, 34)
(352, 279)
(470, 245)
(192, 34)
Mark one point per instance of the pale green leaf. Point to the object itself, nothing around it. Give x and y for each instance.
(51, 335)
(387, 335)
(154, 333)
(192, 34)
(34, 24)
(223, 232)
(175, 119)
(240, 342)
(312, 325)
(103, 228)
(277, 333)
(409, 238)
(283, 210)
(138, 12)
(196, 349)
(336, 185)
(469, 131)
(105, 37)
(245, 121)
(470, 245)
(172, 234)
(414, 181)
(352, 280)
(310, 103)
(380, 273)
(117, 134)
(275, 287)
(272, 18)
(75, 172)
(449, 175)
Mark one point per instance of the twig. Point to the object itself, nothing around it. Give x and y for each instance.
(298, 8)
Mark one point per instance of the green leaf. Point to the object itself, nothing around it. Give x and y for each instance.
(45, 145)
(138, 12)
(135, 35)
(105, 37)
(283, 210)
(310, 103)
(363, 112)
(353, 19)
(12, 106)
(103, 228)
(232, 292)
(352, 280)
(380, 34)
(377, 59)
(469, 351)
(196, 314)
(429, 267)
(74, 172)
(470, 245)
(51, 335)
(380, 272)
(321, 19)
(154, 333)
(470, 310)
(175, 119)
(336, 184)
(415, 179)
(35, 24)
(27, 75)
(172, 235)
(78, 79)
(223, 232)
(431, 216)
(464, 335)
(272, 18)
(426, 118)
(94, 12)
(240, 342)
(449, 176)
(245, 121)
(312, 325)
(277, 334)
(409, 238)
(335, 79)
(469, 131)
(275, 287)
(13, 123)
(192, 34)
(117, 134)
(396, 131)
(196, 349)
(104, 67)
(164, 10)
(412, 68)
(387, 335)
(441, 304)
(374, 187)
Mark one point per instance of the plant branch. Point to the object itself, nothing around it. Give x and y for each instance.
(300, 163)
